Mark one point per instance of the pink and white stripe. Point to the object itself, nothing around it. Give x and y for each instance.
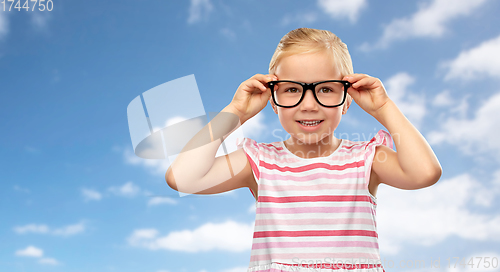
(314, 209)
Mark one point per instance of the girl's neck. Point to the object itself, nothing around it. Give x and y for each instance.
(322, 148)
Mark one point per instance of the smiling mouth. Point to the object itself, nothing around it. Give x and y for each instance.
(310, 123)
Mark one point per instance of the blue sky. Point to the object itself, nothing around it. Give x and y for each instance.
(74, 197)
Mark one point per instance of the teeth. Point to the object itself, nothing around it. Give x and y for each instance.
(309, 123)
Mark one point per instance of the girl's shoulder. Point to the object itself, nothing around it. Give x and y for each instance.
(248, 142)
(360, 142)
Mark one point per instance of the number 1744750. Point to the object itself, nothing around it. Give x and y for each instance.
(41, 5)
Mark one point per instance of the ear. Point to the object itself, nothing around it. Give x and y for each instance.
(275, 108)
(347, 104)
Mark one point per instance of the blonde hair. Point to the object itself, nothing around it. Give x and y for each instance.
(309, 40)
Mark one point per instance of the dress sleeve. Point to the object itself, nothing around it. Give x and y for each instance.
(252, 151)
(381, 138)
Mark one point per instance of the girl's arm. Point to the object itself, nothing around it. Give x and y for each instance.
(196, 170)
(414, 165)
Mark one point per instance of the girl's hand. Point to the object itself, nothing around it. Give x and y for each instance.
(368, 92)
(252, 96)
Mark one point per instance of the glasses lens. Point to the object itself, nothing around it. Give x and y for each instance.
(289, 94)
(330, 93)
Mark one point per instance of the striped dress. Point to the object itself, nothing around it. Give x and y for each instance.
(314, 214)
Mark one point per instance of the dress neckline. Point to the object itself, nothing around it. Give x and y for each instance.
(282, 144)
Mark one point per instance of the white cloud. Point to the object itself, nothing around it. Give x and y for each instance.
(430, 215)
(475, 63)
(39, 19)
(228, 33)
(430, 20)
(128, 189)
(412, 105)
(89, 194)
(255, 126)
(252, 208)
(198, 10)
(30, 251)
(34, 228)
(70, 230)
(141, 234)
(50, 261)
(44, 229)
(157, 200)
(350, 120)
(173, 120)
(443, 99)
(155, 167)
(343, 10)
(476, 135)
(4, 25)
(227, 236)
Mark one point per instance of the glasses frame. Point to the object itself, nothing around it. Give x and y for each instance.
(309, 86)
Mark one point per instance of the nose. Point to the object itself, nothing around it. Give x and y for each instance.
(309, 102)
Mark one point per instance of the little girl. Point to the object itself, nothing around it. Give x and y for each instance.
(315, 194)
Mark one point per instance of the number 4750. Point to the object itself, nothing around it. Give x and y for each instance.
(49, 6)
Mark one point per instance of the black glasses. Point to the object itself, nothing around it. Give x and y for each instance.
(329, 93)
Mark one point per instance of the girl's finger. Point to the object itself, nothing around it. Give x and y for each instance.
(354, 77)
(364, 82)
(273, 77)
(265, 78)
(258, 85)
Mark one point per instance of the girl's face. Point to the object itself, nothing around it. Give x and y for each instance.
(308, 68)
